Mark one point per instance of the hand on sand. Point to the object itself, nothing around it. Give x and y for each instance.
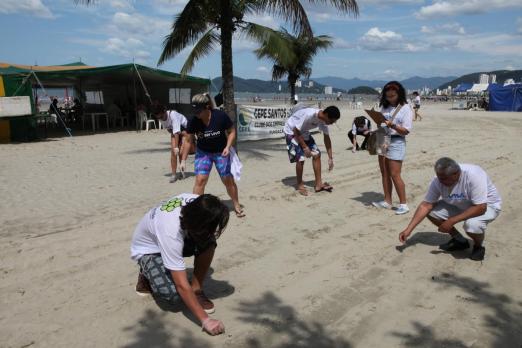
(213, 326)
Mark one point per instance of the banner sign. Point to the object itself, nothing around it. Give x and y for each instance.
(261, 122)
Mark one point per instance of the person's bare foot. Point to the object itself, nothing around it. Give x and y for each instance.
(302, 190)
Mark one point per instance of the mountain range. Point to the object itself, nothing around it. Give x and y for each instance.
(339, 84)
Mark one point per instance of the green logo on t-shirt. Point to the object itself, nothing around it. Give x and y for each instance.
(171, 205)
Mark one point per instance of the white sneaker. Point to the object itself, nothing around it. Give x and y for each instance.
(382, 205)
(402, 209)
(173, 178)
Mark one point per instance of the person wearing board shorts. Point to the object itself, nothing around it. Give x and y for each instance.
(215, 133)
(459, 193)
(301, 145)
(186, 225)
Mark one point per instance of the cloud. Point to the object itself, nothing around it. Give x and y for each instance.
(130, 48)
(262, 69)
(340, 43)
(452, 28)
(139, 24)
(458, 7)
(122, 5)
(377, 40)
(492, 44)
(31, 7)
(168, 7)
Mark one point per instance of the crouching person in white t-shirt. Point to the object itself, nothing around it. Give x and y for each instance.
(459, 193)
(186, 225)
(301, 145)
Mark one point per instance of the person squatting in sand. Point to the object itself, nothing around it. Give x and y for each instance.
(186, 225)
(215, 134)
(176, 124)
(459, 192)
(301, 144)
(397, 126)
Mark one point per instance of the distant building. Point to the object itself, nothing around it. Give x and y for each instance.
(310, 84)
(298, 83)
(492, 78)
(379, 89)
(483, 78)
(328, 90)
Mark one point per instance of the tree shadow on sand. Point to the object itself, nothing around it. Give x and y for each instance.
(213, 289)
(151, 331)
(281, 322)
(502, 322)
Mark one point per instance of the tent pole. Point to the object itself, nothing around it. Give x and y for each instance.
(67, 129)
(138, 125)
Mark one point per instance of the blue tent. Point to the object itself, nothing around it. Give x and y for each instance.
(463, 87)
(493, 86)
(506, 98)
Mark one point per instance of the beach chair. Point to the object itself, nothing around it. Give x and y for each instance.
(144, 119)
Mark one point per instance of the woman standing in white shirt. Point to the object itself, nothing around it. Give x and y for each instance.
(398, 125)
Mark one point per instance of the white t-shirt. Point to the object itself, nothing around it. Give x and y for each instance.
(159, 232)
(473, 187)
(367, 127)
(417, 100)
(305, 120)
(174, 121)
(404, 117)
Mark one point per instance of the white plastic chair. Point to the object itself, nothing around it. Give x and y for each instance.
(144, 119)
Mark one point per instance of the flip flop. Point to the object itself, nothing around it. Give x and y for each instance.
(325, 187)
(240, 213)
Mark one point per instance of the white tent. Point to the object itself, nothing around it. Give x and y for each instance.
(479, 87)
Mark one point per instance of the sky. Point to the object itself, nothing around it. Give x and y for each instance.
(390, 39)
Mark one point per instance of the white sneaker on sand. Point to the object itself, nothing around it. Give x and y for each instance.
(382, 205)
(402, 209)
(173, 178)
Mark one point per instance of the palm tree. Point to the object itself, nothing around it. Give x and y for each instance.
(295, 60)
(209, 24)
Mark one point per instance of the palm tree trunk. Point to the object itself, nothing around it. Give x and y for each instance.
(227, 72)
(291, 83)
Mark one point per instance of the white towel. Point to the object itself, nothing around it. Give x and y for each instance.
(235, 166)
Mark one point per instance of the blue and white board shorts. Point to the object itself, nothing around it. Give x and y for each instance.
(296, 152)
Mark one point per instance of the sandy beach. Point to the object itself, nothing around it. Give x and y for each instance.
(325, 270)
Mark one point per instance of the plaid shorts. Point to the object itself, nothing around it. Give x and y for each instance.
(160, 279)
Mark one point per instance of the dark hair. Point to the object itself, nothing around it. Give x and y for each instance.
(204, 219)
(393, 86)
(415, 93)
(332, 112)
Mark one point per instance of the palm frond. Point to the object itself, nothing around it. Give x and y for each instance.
(288, 10)
(346, 6)
(278, 72)
(203, 47)
(273, 44)
(186, 29)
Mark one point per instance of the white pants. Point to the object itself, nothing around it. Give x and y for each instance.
(443, 211)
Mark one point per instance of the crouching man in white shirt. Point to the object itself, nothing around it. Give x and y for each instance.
(459, 193)
(186, 225)
(301, 145)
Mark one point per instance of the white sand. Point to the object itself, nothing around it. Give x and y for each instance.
(320, 271)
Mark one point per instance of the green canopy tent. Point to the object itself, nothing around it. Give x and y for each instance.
(129, 84)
